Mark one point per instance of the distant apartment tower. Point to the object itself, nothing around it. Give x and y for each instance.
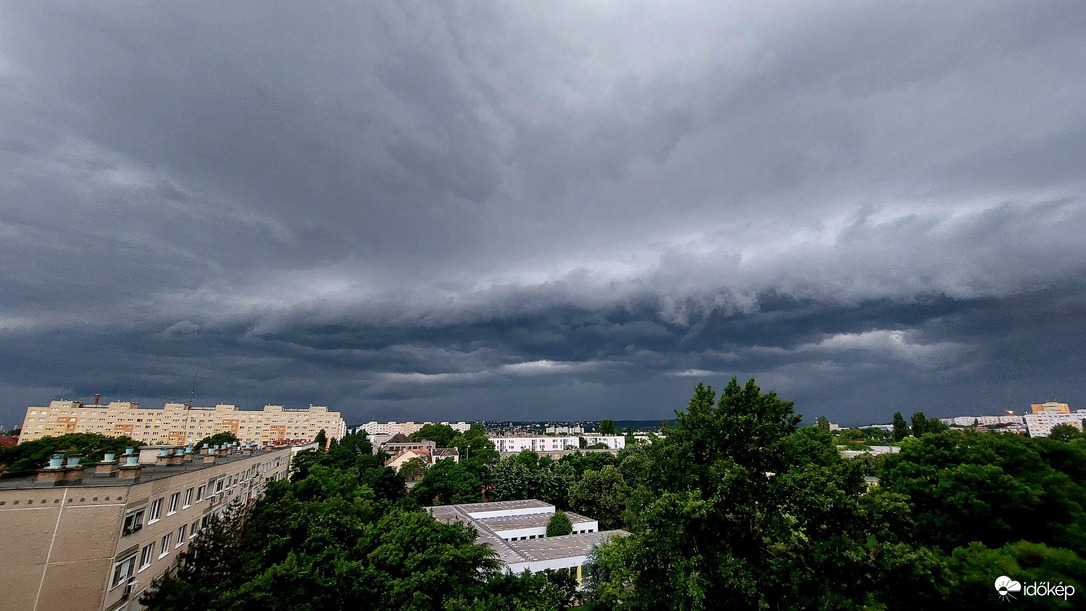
(1041, 424)
(1051, 407)
(178, 423)
(99, 540)
(555, 444)
(373, 428)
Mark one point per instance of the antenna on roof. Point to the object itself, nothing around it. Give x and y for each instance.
(194, 378)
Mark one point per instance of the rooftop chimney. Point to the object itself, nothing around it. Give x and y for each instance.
(97, 396)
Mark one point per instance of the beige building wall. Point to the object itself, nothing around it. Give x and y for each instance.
(65, 544)
(178, 423)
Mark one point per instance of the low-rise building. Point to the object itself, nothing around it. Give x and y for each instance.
(179, 423)
(517, 531)
(93, 537)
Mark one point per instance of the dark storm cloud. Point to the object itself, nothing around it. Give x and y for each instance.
(440, 210)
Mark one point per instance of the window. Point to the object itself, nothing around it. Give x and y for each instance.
(165, 544)
(156, 511)
(147, 555)
(194, 529)
(133, 521)
(218, 486)
(181, 535)
(122, 571)
(188, 498)
(200, 493)
(175, 499)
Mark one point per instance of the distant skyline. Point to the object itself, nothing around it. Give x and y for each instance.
(531, 211)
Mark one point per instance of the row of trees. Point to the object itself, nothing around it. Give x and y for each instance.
(735, 507)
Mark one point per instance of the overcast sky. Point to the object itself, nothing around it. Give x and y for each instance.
(543, 210)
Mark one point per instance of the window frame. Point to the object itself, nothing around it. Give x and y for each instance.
(117, 579)
(147, 557)
(188, 499)
(175, 502)
(154, 511)
(165, 542)
(137, 516)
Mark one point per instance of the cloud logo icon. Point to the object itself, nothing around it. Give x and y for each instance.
(1005, 586)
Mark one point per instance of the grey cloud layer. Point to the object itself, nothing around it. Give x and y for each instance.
(555, 210)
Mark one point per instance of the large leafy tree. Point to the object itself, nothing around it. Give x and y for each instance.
(743, 510)
(441, 434)
(601, 495)
(901, 428)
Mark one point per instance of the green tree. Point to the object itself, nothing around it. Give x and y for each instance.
(90, 447)
(1064, 432)
(413, 470)
(559, 524)
(216, 439)
(607, 427)
(321, 439)
(901, 428)
(601, 495)
(823, 423)
(448, 483)
(441, 434)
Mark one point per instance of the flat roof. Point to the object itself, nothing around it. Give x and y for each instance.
(150, 473)
(529, 550)
(503, 505)
(531, 520)
(552, 548)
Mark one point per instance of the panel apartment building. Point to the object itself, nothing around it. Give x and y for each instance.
(179, 423)
(94, 537)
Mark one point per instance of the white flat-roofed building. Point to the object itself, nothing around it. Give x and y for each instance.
(517, 530)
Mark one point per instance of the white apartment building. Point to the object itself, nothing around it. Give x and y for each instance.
(1041, 424)
(982, 420)
(555, 444)
(178, 423)
(373, 428)
(564, 430)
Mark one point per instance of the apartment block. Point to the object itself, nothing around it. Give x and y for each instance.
(1050, 407)
(507, 445)
(179, 423)
(1040, 425)
(93, 537)
(373, 428)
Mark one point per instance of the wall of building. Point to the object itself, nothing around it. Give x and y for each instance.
(64, 543)
(177, 423)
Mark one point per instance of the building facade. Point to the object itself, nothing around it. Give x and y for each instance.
(555, 444)
(1050, 407)
(1040, 425)
(179, 423)
(405, 428)
(97, 542)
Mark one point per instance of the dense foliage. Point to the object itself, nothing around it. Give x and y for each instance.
(736, 506)
(90, 447)
(216, 440)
